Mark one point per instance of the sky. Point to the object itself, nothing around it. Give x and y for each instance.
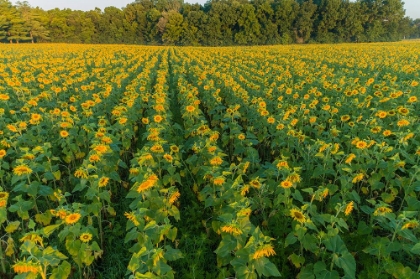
(412, 7)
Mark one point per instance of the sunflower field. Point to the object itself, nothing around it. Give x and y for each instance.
(245, 162)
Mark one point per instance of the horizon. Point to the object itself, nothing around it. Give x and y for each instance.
(412, 8)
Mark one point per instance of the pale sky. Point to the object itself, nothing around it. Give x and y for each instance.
(412, 7)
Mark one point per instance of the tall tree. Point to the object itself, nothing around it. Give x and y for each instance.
(249, 27)
(330, 13)
(305, 21)
(5, 17)
(33, 21)
(18, 31)
(268, 26)
(285, 14)
(172, 30)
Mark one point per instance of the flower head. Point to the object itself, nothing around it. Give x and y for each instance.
(72, 218)
(22, 170)
(85, 237)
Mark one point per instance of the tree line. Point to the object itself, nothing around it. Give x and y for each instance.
(216, 23)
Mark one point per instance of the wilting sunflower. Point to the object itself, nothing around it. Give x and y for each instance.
(266, 250)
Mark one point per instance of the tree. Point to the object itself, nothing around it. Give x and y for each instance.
(172, 30)
(5, 16)
(249, 27)
(305, 21)
(18, 30)
(330, 13)
(32, 18)
(194, 21)
(285, 14)
(268, 26)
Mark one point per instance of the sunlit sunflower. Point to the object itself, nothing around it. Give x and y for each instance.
(72, 218)
(64, 133)
(361, 144)
(286, 184)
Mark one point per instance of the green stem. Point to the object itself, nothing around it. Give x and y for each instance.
(101, 235)
(3, 266)
(332, 263)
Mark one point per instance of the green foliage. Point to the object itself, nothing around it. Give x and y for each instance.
(217, 23)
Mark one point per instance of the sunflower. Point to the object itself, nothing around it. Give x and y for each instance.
(382, 210)
(349, 208)
(286, 184)
(12, 128)
(25, 267)
(190, 109)
(101, 148)
(22, 170)
(350, 158)
(282, 164)
(271, 120)
(410, 224)
(122, 120)
(241, 136)
(403, 111)
(358, 177)
(231, 229)
(381, 114)
(168, 157)
(85, 237)
(157, 148)
(64, 133)
(412, 99)
(297, 215)
(4, 195)
(72, 218)
(345, 118)
(103, 181)
(265, 251)
(36, 117)
(174, 148)
(216, 161)
(174, 197)
(158, 118)
(130, 216)
(361, 144)
(4, 97)
(218, 181)
(280, 126)
(80, 173)
(2, 153)
(387, 133)
(403, 122)
(94, 158)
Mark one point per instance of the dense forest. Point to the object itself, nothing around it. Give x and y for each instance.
(217, 23)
